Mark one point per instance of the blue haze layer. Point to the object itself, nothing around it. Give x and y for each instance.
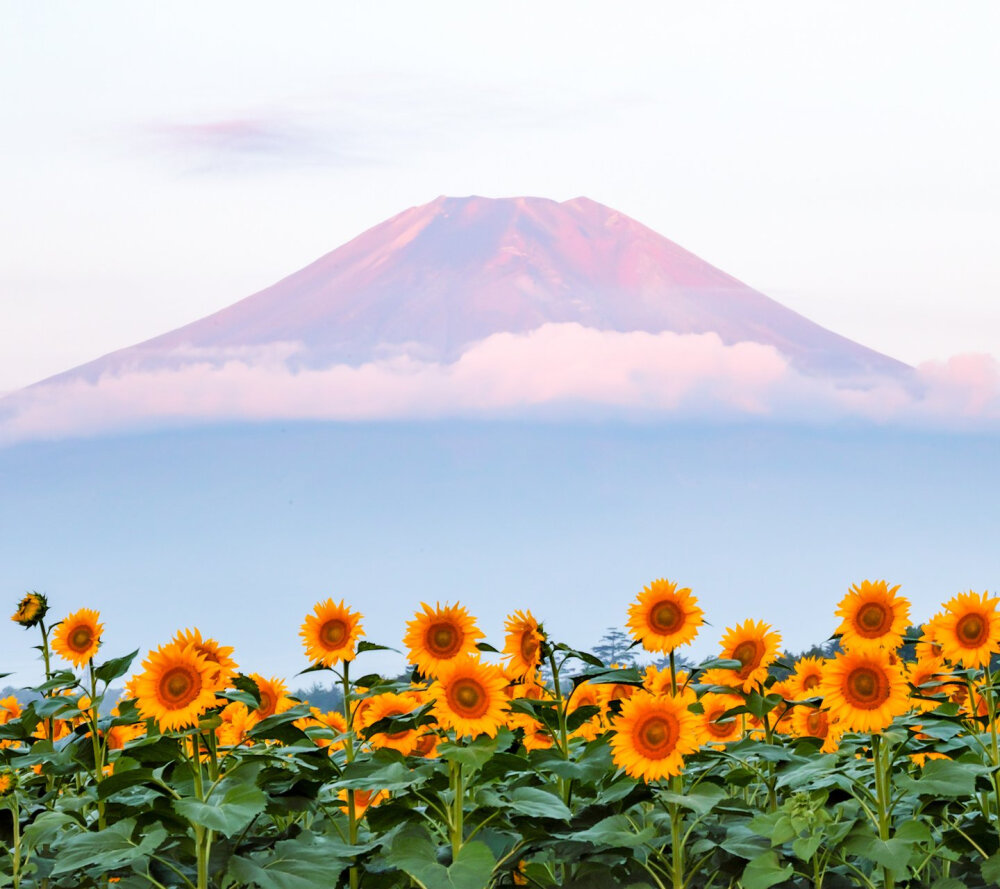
(240, 530)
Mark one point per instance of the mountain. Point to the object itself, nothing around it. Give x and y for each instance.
(438, 277)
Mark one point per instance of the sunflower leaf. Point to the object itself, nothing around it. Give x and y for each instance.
(371, 646)
(239, 805)
(119, 666)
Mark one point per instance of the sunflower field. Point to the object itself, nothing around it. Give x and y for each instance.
(535, 765)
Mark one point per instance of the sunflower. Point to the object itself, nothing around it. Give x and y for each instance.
(969, 630)
(536, 735)
(522, 645)
(926, 677)
(587, 694)
(663, 617)
(427, 744)
(392, 704)
(175, 687)
(805, 678)
(331, 633)
(237, 720)
(437, 636)
(78, 636)
(119, 735)
(7, 782)
(364, 800)
(927, 647)
(468, 697)
(31, 609)
(816, 722)
(864, 692)
(712, 728)
(873, 617)
(754, 645)
(273, 696)
(653, 735)
(332, 720)
(218, 656)
(10, 708)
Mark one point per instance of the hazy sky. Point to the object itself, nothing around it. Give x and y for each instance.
(161, 162)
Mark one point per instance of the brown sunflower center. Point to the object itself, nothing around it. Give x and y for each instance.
(333, 633)
(817, 724)
(267, 703)
(972, 630)
(179, 686)
(811, 681)
(666, 617)
(529, 647)
(444, 640)
(396, 736)
(468, 698)
(866, 688)
(874, 620)
(80, 639)
(656, 736)
(718, 727)
(749, 654)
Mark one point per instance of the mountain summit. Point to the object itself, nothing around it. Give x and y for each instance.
(436, 278)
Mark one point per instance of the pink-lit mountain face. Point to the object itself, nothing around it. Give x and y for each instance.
(439, 277)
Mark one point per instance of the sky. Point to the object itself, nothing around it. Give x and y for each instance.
(159, 165)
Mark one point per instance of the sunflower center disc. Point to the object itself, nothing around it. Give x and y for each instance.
(810, 681)
(666, 617)
(80, 639)
(469, 698)
(873, 618)
(266, 705)
(656, 737)
(333, 633)
(178, 687)
(816, 723)
(972, 630)
(444, 640)
(746, 654)
(866, 689)
(720, 728)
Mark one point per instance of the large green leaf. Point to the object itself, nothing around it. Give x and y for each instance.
(537, 803)
(764, 871)
(239, 804)
(413, 853)
(944, 778)
(616, 831)
(307, 862)
(106, 850)
(119, 666)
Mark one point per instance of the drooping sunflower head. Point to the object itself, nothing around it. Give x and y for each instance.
(220, 657)
(755, 646)
(175, 687)
(436, 636)
(522, 647)
(663, 616)
(330, 634)
(469, 697)
(273, 696)
(969, 630)
(652, 736)
(78, 636)
(872, 617)
(31, 610)
(864, 692)
(806, 676)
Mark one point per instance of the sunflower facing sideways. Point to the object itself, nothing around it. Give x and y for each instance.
(872, 617)
(969, 630)
(522, 645)
(31, 609)
(469, 698)
(220, 657)
(755, 646)
(78, 636)
(663, 616)
(175, 687)
(437, 636)
(331, 633)
(864, 692)
(652, 735)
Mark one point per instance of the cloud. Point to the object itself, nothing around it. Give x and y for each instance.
(557, 371)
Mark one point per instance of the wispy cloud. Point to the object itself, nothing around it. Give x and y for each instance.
(556, 371)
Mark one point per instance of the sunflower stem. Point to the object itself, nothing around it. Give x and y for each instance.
(50, 721)
(458, 809)
(676, 833)
(15, 850)
(882, 791)
(352, 809)
(97, 746)
(563, 739)
(991, 711)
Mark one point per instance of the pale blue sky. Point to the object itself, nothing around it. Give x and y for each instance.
(160, 162)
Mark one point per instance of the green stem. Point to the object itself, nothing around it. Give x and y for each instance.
(676, 828)
(98, 747)
(565, 785)
(991, 709)
(202, 836)
(882, 792)
(15, 811)
(458, 809)
(352, 809)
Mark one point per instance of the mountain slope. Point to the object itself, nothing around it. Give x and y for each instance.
(438, 277)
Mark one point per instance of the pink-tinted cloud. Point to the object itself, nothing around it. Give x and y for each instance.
(555, 371)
